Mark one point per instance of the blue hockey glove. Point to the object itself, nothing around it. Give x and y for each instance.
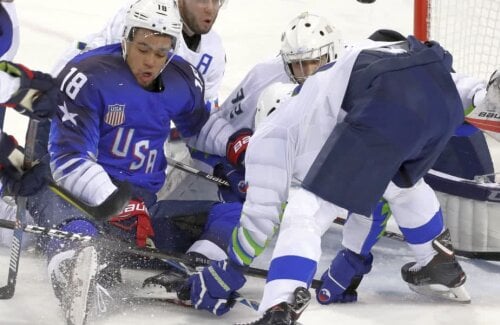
(237, 192)
(37, 93)
(213, 287)
(343, 277)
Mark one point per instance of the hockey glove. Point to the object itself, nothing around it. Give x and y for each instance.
(134, 220)
(11, 153)
(343, 277)
(37, 93)
(237, 146)
(213, 287)
(17, 181)
(236, 177)
(485, 113)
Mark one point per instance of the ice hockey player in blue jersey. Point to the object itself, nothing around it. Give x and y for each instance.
(113, 117)
(361, 137)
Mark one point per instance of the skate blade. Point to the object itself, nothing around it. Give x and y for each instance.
(458, 294)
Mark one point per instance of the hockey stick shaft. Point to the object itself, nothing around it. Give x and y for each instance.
(197, 172)
(387, 233)
(7, 291)
(492, 256)
(124, 247)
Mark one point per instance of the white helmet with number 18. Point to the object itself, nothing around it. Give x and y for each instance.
(271, 99)
(160, 16)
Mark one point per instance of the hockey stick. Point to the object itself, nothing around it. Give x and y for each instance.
(111, 206)
(7, 291)
(197, 172)
(387, 233)
(491, 256)
(123, 247)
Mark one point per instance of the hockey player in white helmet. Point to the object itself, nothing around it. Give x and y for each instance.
(308, 43)
(116, 105)
(311, 41)
(198, 43)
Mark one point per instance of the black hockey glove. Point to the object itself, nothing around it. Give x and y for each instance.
(37, 93)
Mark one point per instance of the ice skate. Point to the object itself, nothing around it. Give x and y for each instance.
(73, 277)
(285, 313)
(442, 277)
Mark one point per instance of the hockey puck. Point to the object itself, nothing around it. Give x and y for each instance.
(366, 1)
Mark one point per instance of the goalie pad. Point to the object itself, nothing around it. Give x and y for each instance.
(486, 113)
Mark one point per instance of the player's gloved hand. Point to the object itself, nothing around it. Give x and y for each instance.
(37, 93)
(342, 278)
(134, 220)
(17, 181)
(237, 192)
(11, 153)
(237, 146)
(485, 111)
(214, 287)
(27, 183)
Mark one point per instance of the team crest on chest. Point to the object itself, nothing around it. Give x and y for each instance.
(115, 115)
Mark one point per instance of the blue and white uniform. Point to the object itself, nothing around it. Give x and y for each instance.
(334, 110)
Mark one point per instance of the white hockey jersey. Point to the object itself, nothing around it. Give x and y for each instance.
(209, 58)
(281, 152)
(240, 106)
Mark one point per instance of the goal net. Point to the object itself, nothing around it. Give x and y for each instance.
(469, 29)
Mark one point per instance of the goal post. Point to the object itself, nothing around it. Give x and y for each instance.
(469, 29)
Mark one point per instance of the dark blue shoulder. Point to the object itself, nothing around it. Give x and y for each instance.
(103, 50)
(187, 72)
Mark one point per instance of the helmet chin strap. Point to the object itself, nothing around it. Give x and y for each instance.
(124, 49)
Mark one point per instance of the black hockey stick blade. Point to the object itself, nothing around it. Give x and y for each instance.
(112, 206)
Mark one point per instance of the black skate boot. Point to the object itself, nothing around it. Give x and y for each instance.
(285, 313)
(442, 276)
(171, 280)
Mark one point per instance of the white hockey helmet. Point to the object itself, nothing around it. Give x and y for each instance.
(159, 16)
(271, 99)
(309, 37)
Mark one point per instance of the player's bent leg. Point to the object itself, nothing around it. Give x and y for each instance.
(298, 248)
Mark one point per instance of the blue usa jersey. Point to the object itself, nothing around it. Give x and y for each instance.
(104, 116)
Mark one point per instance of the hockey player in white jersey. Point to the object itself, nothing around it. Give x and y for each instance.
(200, 45)
(308, 42)
(328, 140)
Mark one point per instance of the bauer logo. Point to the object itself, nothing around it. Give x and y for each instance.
(115, 115)
(324, 295)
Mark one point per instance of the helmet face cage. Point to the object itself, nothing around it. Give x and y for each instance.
(320, 56)
(308, 37)
(161, 17)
